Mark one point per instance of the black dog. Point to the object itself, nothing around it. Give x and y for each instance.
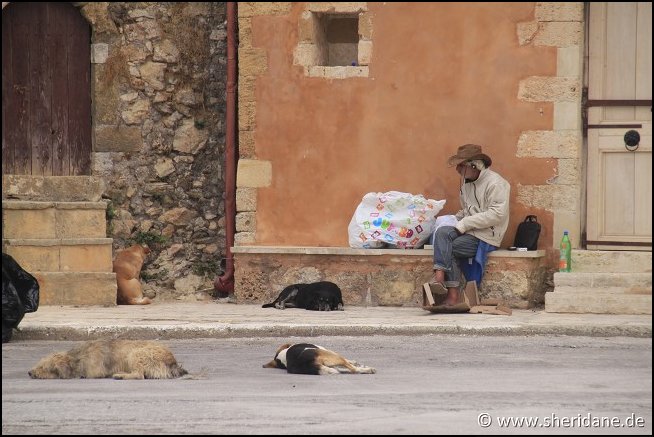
(317, 296)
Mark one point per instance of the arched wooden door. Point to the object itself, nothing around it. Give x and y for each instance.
(46, 92)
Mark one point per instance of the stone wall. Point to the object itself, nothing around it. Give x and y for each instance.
(158, 80)
(380, 277)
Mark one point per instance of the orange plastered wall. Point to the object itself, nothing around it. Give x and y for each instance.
(441, 75)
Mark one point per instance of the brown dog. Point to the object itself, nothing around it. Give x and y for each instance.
(127, 266)
(120, 359)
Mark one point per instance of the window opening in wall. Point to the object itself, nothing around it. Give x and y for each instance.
(334, 44)
(341, 39)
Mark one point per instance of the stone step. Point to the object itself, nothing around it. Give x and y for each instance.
(600, 261)
(626, 281)
(634, 289)
(53, 188)
(76, 288)
(597, 302)
(49, 220)
(62, 255)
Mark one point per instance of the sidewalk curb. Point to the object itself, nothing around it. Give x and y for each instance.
(240, 331)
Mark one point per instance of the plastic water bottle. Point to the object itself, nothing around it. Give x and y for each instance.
(565, 258)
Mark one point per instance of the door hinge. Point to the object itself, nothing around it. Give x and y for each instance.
(584, 111)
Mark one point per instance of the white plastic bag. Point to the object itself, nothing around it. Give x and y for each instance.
(393, 219)
(445, 220)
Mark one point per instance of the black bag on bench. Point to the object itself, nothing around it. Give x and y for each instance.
(528, 233)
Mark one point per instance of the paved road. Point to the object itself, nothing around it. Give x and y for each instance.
(425, 385)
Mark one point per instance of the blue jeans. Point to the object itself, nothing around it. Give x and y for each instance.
(449, 245)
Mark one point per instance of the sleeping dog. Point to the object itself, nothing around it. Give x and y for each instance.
(317, 296)
(118, 359)
(310, 359)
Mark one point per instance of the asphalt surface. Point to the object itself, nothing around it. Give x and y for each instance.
(426, 384)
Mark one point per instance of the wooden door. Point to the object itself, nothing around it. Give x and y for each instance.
(619, 100)
(46, 92)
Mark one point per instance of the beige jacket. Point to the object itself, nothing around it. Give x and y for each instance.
(485, 203)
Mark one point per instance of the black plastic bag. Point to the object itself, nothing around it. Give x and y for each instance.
(528, 233)
(20, 295)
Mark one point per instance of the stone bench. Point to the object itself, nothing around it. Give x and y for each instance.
(385, 277)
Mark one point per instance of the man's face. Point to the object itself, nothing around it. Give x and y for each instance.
(466, 171)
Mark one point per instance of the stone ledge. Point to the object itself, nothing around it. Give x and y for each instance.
(26, 204)
(34, 204)
(56, 241)
(337, 7)
(501, 253)
(338, 72)
(302, 250)
(52, 188)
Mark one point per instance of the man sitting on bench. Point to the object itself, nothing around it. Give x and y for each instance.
(484, 216)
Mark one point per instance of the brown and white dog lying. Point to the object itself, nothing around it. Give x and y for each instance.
(127, 266)
(310, 359)
(118, 359)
